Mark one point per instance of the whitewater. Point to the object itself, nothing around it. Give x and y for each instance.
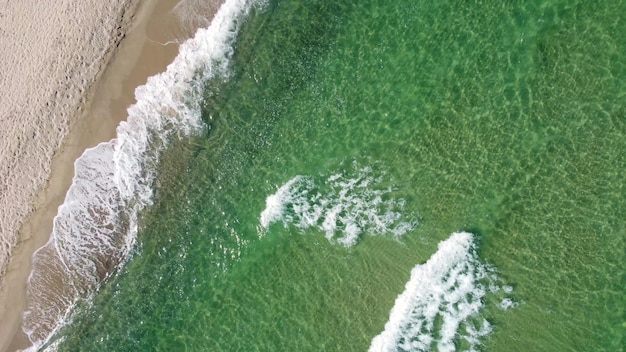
(441, 303)
(345, 206)
(440, 308)
(95, 229)
(476, 132)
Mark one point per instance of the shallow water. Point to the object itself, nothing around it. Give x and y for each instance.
(408, 122)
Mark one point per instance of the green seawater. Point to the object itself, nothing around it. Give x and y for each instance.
(503, 118)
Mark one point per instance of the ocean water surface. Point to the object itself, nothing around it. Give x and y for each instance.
(378, 175)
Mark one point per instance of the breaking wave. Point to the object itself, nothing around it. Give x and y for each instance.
(441, 303)
(343, 206)
(96, 226)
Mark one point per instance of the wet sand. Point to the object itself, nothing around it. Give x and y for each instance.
(147, 41)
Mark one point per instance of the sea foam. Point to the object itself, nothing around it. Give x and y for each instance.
(439, 308)
(96, 226)
(344, 206)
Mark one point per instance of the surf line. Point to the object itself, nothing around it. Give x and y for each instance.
(95, 229)
(344, 206)
(441, 302)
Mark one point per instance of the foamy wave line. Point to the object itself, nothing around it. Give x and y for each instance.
(343, 206)
(441, 302)
(96, 226)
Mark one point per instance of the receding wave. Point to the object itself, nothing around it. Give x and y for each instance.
(96, 226)
(439, 309)
(343, 206)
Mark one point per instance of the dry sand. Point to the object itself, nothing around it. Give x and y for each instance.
(52, 52)
(68, 70)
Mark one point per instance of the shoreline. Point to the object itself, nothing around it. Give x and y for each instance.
(140, 54)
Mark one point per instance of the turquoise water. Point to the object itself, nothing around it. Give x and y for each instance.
(506, 120)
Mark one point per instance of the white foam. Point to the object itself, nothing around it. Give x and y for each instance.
(276, 203)
(95, 228)
(507, 303)
(441, 302)
(343, 206)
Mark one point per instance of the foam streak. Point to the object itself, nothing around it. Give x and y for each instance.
(96, 226)
(443, 296)
(344, 207)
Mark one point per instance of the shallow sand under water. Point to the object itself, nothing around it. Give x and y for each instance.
(68, 72)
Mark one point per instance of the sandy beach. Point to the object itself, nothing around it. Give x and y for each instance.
(67, 74)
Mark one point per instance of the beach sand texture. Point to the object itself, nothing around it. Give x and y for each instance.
(51, 55)
(68, 72)
(52, 52)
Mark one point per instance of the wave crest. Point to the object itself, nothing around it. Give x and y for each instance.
(96, 226)
(343, 206)
(441, 302)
